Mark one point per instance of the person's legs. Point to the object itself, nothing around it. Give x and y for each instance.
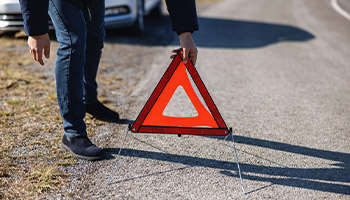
(70, 30)
(71, 33)
(94, 13)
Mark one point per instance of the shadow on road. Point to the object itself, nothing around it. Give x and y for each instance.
(308, 178)
(342, 158)
(216, 33)
(222, 33)
(157, 33)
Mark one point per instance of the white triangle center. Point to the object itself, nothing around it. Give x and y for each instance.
(180, 105)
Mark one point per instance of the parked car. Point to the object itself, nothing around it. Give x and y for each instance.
(119, 13)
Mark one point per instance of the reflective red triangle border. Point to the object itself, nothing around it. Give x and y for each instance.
(137, 127)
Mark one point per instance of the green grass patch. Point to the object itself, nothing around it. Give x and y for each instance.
(69, 194)
(15, 102)
(3, 114)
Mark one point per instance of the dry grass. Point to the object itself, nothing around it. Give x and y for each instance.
(31, 158)
(44, 178)
(29, 127)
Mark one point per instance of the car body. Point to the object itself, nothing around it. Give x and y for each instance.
(119, 13)
(129, 13)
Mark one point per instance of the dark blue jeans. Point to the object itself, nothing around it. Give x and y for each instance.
(80, 33)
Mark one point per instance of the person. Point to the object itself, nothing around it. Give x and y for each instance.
(79, 27)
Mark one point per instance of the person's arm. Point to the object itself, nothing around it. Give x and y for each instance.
(35, 18)
(183, 16)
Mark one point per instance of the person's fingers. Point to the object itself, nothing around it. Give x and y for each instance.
(47, 51)
(39, 56)
(194, 58)
(35, 55)
(32, 53)
(38, 46)
(185, 55)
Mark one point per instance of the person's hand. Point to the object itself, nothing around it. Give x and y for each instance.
(37, 44)
(188, 47)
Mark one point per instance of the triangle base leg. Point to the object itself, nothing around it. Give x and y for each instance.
(239, 169)
(120, 150)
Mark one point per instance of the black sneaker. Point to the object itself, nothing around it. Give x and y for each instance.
(101, 112)
(82, 147)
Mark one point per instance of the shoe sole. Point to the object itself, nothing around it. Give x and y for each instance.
(91, 158)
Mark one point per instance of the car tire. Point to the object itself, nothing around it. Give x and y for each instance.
(157, 11)
(139, 26)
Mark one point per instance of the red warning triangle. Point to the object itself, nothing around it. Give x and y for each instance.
(152, 120)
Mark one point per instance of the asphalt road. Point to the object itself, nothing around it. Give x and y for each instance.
(278, 71)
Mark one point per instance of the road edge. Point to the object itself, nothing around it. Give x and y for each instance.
(339, 9)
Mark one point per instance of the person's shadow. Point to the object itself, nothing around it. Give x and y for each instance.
(216, 33)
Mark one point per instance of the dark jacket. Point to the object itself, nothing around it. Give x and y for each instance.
(182, 13)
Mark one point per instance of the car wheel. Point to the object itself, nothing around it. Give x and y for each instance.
(139, 27)
(157, 11)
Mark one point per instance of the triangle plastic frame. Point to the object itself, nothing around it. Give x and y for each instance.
(138, 126)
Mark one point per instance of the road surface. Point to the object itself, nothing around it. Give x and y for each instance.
(278, 71)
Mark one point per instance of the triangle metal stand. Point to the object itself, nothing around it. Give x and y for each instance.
(120, 150)
(129, 128)
(235, 150)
